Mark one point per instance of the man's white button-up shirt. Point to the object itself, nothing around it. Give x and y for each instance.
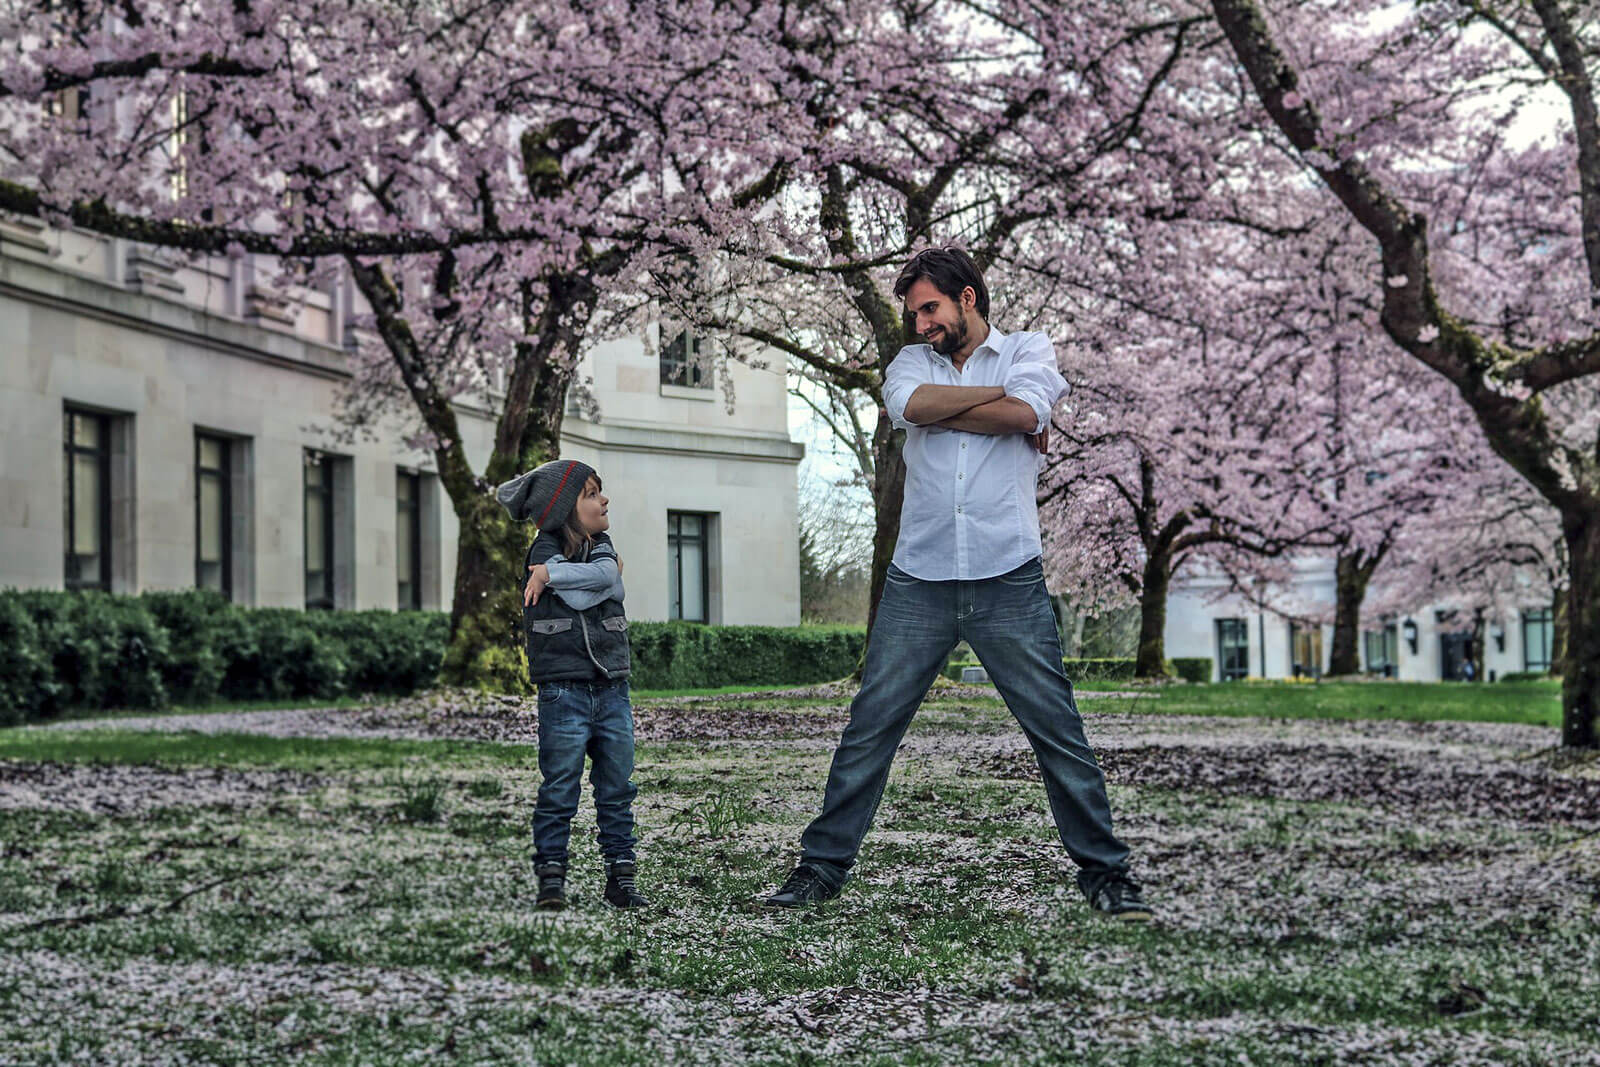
(970, 508)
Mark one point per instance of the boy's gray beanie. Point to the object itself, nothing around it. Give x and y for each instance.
(546, 494)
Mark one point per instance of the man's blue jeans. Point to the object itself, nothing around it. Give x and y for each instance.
(578, 719)
(1009, 623)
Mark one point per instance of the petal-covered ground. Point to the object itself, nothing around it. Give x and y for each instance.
(352, 886)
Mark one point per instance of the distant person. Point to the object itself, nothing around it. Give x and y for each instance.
(976, 407)
(578, 655)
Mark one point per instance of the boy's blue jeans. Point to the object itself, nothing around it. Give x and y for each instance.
(1009, 623)
(578, 719)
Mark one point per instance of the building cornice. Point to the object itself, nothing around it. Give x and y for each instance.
(91, 297)
(622, 437)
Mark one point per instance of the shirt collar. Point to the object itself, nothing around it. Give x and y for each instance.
(992, 343)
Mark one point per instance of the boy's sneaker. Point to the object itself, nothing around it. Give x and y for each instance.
(552, 885)
(620, 890)
(1118, 896)
(805, 886)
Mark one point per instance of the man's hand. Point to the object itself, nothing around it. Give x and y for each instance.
(1041, 440)
(538, 578)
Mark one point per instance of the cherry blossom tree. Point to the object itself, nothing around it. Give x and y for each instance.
(1519, 344)
(485, 175)
(996, 127)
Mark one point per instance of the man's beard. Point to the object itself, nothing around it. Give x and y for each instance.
(951, 342)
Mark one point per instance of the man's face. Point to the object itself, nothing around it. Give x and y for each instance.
(939, 320)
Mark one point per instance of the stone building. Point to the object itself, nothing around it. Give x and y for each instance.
(169, 424)
(1429, 644)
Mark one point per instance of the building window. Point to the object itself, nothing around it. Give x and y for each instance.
(319, 529)
(87, 500)
(213, 515)
(1538, 637)
(69, 104)
(1233, 649)
(1382, 650)
(408, 539)
(687, 566)
(680, 363)
(1305, 651)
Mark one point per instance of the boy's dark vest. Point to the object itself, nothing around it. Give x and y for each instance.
(567, 645)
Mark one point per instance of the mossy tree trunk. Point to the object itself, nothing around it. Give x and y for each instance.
(485, 648)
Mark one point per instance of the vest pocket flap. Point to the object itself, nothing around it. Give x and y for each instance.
(615, 623)
(550, 626)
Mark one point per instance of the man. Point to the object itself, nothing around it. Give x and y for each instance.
(976, 407)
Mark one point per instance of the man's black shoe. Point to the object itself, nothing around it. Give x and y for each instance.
(552, 885)
(1118, 896)
(620, 890)
(805, 886)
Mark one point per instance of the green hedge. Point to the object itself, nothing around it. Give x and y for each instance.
(683, 655)
(89, 650)
(1192, 668)
(92, 650)
(1518, 676)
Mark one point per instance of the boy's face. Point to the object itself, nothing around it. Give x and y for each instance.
(591, 508)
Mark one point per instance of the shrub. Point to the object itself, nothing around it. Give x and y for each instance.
(1105, 670)
(1526, 676)
(91, 650)
(285, 659)
(1099, 670)
(104, 650)
(27, 677)
(205, 633)
(385, 651)
(683, 655)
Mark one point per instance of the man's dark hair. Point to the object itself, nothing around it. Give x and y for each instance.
(950, 270)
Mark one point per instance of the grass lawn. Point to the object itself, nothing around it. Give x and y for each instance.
(1535, 703)
(1330, 891)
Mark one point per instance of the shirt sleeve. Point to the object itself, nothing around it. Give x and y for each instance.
(1034, 378)
(583, 585)
(908, 370)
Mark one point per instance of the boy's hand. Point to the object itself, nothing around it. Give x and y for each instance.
(538, 578)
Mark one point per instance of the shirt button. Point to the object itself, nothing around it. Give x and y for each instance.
(960, 476)
(963, 444)
(958, 509)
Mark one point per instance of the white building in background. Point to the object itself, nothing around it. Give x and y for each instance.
(1428, 645)
(169, 425)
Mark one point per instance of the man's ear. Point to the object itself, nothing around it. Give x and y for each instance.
(969, 299)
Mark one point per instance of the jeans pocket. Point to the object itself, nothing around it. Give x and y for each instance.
(550, 692)
(1030, 573)
(898, 577)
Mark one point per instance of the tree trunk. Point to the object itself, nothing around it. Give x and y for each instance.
(1580, 684)
(1353, 573)
(486, 647)
(1151, 661)
(1558, 632)
(888, 493)
(1475, 648)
